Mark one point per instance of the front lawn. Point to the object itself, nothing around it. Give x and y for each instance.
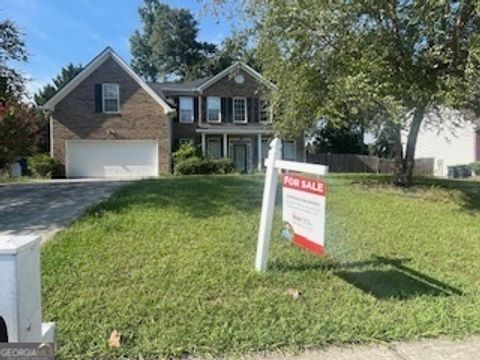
(169, 264)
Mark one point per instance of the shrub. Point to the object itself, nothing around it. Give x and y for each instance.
(197, 165)
(188, 166)
(42, 165)
(187, 161)
(224, 166)
(186, 151)
(476, 168)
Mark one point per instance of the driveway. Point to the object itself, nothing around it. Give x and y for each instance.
(45, 208)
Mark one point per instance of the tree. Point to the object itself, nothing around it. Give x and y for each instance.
(340, 140)
(237, 47)
(12, 47)
(167, 46)
(66, 74)
(23, 132)
(396, 59)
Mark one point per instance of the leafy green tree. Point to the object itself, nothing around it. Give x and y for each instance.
(396, 59)
(167, 46)
(237, 47)
(12, 48)
(66, 74)
(340, 140)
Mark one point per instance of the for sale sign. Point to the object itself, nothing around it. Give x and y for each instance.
(304, 211)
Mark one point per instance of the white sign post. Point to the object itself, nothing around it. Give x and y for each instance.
(273, 165)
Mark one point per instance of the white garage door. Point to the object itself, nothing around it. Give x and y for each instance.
(111, 159)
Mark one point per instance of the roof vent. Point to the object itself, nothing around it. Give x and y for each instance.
(239, 79)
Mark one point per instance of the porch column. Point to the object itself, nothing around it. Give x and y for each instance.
(259, 149)
(204, 145)
(225, 146)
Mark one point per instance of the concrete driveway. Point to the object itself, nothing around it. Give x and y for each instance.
(47, 207)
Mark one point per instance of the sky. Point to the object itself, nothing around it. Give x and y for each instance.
(58, 32)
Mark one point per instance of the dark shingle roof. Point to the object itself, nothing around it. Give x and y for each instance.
(170, 86)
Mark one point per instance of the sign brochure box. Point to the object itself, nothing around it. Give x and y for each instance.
(303, 212)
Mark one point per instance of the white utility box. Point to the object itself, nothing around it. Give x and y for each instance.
(20, 294)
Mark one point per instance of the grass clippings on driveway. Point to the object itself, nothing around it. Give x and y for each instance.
(169, 264)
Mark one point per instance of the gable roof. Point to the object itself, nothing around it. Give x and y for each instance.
(230, 69)
(108, 53)
(189, 85)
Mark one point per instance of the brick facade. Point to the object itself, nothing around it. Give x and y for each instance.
(140, 117)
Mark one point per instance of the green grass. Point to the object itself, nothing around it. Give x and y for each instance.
(11, 180)
(169, 264)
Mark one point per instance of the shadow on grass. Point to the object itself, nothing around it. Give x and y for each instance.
(195, 196)
(469, 189)
(381, 277)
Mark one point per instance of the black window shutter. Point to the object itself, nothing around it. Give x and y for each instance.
(256, 110)
(177, 105)
(204, 109)
(195, 109)
(224, 109)
(98, 98)
(230, 109)
(249, 110)
(176, 144)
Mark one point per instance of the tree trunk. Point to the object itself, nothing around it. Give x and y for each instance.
(404, 165)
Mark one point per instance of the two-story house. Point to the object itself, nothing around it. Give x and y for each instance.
(108, 122)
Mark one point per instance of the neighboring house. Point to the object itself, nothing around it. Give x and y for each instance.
(108, 122)
(455, 142)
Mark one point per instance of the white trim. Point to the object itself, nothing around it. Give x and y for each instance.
(169, 146)
(232, 67)
(315, 169)
(219, 110)
(204, 145)
(157, 158)
(245, 108)
(192, 118)
(232, 131)
(91, 67)
(118, 98)
(225, 146)
(66, 158)
(259, 152)
(51, 135)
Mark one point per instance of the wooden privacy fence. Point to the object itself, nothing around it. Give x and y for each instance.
(367, 164)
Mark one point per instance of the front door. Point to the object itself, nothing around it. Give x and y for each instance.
(240, 157)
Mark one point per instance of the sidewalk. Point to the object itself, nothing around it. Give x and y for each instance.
(435, 349)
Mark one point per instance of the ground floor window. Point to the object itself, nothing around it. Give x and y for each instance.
(289, 150)
(214, 148)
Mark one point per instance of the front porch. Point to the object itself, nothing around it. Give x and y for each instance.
(246, 147)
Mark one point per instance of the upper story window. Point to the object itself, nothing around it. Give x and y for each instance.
(239, 110)
(186, 110)
(264, 111)
(289, 150)
(213, 109)
(111, 98)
